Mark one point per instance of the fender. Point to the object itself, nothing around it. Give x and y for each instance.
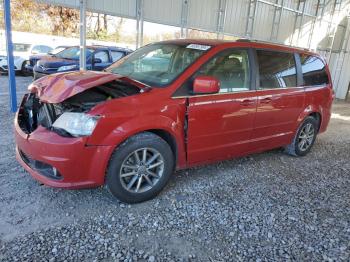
(306, 112)
(145, 123)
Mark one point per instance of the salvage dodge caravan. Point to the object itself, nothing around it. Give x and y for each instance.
(167, 106)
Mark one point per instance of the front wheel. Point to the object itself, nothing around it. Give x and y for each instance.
(304, 138)
(140, 168)
(24, 71)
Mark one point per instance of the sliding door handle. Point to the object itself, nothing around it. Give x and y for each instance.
(247, 102)
(266, 100)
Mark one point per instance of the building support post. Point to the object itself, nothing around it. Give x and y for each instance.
(139, 23)
(297, 17)
(319, 9)
(336, 9)
(250, 19)
(221, 19)
(301, 23)
(345, 48)
(82, 25)
(10, 62)
(276, 20)
(184, 15)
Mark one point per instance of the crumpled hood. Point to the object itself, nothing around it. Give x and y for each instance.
(56, 88)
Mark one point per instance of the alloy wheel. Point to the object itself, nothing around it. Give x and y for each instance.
(141, 170)
(306, 137)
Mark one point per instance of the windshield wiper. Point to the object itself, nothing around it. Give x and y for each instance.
(129, 79)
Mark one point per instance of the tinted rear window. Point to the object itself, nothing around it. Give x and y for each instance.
(276, 69)
(314, 71)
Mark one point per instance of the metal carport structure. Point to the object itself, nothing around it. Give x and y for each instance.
(320, 25)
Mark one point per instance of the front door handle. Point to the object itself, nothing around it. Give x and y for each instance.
(266, 100)
(247, 102)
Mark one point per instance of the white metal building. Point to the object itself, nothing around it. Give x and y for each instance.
(319, 25)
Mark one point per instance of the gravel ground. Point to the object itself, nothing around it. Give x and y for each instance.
(267, 206)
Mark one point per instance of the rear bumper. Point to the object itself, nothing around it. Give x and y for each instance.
(79, 165)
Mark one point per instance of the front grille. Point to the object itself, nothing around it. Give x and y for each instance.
(41, 167)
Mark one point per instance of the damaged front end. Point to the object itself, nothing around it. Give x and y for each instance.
(70, 117)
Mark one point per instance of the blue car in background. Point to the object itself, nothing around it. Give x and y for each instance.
(97, 58)
(33, 59)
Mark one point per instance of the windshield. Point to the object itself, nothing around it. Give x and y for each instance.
(158, 64)
(73, 53)
(57, 50)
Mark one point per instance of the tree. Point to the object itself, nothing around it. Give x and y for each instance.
(31, 16)
(65, 21)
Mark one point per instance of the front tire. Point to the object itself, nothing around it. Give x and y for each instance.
(24, 71)
(140, 168)
(304, 138)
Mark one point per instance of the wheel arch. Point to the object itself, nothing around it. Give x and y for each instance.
(318, 117)
(311, 110)
(169, 138)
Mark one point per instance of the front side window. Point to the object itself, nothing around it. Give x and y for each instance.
(231, 68)
(314, 70)
(158, 64)
(103, 55)
(276, 69)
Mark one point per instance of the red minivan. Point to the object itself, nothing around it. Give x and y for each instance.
(167, 106)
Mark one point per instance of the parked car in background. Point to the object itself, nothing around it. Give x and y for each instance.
(21, 52)
(97, 58)
(33, 59)
(133, 125)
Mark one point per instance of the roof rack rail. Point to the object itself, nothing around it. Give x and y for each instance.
(270, 43)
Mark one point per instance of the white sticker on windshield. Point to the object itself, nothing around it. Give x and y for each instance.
(198, 47)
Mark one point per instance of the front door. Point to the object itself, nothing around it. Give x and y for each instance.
(280, 100)
(220, 125)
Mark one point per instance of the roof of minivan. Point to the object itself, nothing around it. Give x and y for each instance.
(256, 43)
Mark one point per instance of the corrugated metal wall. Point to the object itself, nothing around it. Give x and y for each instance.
(304, 23)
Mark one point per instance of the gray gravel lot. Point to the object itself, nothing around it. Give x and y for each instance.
(267, 206)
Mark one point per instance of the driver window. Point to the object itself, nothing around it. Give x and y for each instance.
(231, 67)
(103, 55)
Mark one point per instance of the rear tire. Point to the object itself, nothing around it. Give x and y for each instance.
(140, 168)
(304, 138)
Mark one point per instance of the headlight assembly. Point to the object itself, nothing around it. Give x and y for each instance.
(68, 67)
(76, 124)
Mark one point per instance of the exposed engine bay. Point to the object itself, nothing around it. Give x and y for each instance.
(34, 112)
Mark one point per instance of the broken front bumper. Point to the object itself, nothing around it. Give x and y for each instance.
(57, 161)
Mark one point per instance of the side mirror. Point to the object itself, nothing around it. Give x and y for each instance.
(206, 85)
(97, 60)
(34, 52)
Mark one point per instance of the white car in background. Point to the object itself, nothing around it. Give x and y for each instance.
(21, 52)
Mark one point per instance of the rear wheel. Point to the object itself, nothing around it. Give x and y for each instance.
(140, 168)
(304, 138)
